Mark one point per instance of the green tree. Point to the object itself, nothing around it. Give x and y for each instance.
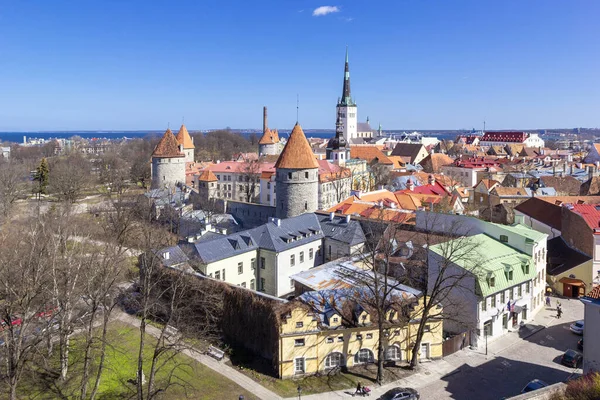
(41, 176)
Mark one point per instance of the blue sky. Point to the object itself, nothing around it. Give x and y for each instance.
(414, 64)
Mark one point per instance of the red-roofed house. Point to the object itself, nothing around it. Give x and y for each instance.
(501, 138)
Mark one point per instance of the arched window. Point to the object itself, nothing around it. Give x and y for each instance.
(393, 353)
(364, 356)
(334, 360)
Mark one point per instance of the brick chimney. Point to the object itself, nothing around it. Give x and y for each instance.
(265, 121)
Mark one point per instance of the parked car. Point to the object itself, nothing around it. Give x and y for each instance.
(580, 344)
(399, 393)
(534, 385)
(571, 358)
(577, 327)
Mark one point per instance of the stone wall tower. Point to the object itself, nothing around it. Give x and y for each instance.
(207, 185)
(184, 138)
(168, 163)
(346, 108)
(269, 142)
(297, 177)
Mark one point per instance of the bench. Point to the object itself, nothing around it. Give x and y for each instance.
(171, 331)
(216, 353)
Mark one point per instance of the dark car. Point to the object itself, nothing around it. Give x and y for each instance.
(399, 393)
(534, 385)
(580, 344)
(571, 358)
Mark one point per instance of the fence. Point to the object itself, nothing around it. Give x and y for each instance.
(456, 343)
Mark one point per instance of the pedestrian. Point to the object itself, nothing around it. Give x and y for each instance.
(558, 312)
(358, 389)
(558, 303)
(547, 301)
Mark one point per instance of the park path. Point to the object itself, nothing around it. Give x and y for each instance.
(218, 366)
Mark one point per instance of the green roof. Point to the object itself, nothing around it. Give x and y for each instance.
(490, 258)
(523, 230)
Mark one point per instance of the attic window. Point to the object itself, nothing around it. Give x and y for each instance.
(335, 319)
(525, 268)
(492, 281)
(504, 238)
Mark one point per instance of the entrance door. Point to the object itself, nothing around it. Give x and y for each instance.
(424, 351)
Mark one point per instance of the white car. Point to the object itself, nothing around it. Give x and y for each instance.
(577, 327)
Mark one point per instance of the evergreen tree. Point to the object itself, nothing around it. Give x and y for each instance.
(41, 176)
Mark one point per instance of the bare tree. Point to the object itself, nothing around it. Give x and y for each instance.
(13, 184)
(249, 178)
(70, 176)
(341, 181)
(380, 176)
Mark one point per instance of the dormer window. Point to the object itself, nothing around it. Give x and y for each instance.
(504, 238)
(492, 281)
(525, 268)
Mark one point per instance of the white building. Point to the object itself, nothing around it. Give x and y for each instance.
(591, 350)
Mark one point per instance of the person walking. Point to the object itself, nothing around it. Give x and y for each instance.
(558, 312)
(358, 389)
(547, 301)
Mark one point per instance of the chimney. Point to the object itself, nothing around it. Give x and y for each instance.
(554, 169)
(331, 216)
(410, 185)
(348, 218)
(265, 121)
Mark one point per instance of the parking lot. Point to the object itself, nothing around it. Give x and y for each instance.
(511, 364)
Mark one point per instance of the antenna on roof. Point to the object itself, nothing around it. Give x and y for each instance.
(297, 106)
(484, 126)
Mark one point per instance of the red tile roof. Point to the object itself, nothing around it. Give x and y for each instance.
(207, 176)
(507, 137)
(369, 153)
(183, 137)
(269, 137)
(238, 167)
(594, 293)
(590, 213)
(297, 153)
(167, 147)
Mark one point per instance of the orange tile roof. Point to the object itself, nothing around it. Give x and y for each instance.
(207, 176)
(594, 293)
(397, 161)
(167, 147)
(297, 153)
(269, 137)
(488, 183)
(369, 153)
(183, 137)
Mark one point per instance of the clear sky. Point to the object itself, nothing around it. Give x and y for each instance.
(414, 64)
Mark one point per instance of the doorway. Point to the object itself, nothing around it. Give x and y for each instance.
(424, 351)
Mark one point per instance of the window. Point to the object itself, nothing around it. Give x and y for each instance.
(223, 274)
(229, 178)
(268, 197)
(262, 263)
(306, 174)
(504, 238)
(301, 257)
(510, 293)
(289, 175)
(527, 288)
(310, 254)
(268, 185)
(335, 319)
(393, 353)
(299, 324)
(240, 268)
(520, 289)
(262, 283)
(369, 336)
(253, 263)
(334, 360)
(363, 356)
(217, 274)
(299, 366)
(484, 304)
(510, 275)
(252, 284)
(299, 342)
(526, 268)
(427, 328)
(305, 205)
(243, 284)
(358, 337)
(293, 260)
(493, 300)
(340, 339)
(291, 283)
(492, 281)
(329, 340)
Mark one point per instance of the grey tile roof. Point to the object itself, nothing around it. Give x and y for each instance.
(176, 256)
(363, 127)
(342, 231)
(290, 233)
(224, 247)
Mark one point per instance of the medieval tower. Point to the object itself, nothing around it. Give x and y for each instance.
(168, 162)
(337, 148)
(207, 185)
(296, 177)
(269, 142)
(184, 138)
(346, 107)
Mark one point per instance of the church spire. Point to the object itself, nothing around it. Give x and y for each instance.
(346, 99)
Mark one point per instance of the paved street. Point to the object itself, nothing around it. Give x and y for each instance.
(511, 362)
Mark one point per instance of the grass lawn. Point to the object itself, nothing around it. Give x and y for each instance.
(259, 370)
(192, 379)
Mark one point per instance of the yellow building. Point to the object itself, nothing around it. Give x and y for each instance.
(315, 336)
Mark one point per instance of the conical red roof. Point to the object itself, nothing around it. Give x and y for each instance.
(269, 137)
(167, 147)
(297, 153)
(207, 176)
(183, 137)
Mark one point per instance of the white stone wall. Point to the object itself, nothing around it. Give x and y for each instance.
(296, 195)
(348, 115)
(591, 350)
(167, 172)
(230, 266)
(268, 149)
(285, 270)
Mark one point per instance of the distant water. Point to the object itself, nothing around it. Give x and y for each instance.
(17, 137)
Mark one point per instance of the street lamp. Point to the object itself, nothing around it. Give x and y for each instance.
(299, 393)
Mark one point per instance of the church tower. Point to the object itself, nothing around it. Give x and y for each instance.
(184, 138)
(346, 107)
(337, 147)
(168, 163)
(296, 177)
